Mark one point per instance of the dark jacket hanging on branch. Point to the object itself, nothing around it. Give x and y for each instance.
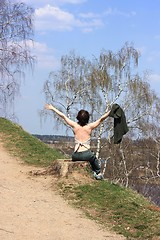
(120, 125)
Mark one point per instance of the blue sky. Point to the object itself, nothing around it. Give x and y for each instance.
(86, 26)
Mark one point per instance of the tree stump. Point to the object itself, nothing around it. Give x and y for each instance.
(64, 167)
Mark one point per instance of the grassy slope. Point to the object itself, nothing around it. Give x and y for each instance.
(127, 212)
(25, 146)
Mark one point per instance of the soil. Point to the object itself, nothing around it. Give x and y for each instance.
(32, 209)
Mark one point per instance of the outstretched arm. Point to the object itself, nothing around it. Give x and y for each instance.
(100, 120)
(62, 115)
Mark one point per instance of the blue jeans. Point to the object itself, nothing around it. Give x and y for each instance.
(89, 156)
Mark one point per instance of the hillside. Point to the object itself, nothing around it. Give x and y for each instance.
(114, 207)
(31, 209)
(25, 146)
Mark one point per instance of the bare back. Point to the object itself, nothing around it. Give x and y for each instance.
(82, 135)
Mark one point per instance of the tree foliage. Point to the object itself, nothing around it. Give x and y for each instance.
(16, 28)
(96, 85)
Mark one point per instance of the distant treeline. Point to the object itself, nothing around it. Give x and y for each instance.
(54, 138)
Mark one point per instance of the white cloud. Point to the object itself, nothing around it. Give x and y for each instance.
(52, 17)
(44, 55)
(55, 12)
(55, 19)
(115, 12)
(93, 23)
(89, 15)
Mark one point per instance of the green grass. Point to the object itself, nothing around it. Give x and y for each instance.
(121, 209)
(127, 212)
(23, 145)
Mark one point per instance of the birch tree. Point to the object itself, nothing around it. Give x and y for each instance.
(96, 85)
(16, 28)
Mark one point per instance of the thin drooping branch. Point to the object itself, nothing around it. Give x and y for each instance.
(16, 29)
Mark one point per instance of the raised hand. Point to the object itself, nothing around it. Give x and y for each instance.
(48, 106)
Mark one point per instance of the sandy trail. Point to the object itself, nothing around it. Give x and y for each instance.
(31, 210)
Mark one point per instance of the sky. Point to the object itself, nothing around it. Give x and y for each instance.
(87, 27)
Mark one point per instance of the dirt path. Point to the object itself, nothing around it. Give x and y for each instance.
(30, 209)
